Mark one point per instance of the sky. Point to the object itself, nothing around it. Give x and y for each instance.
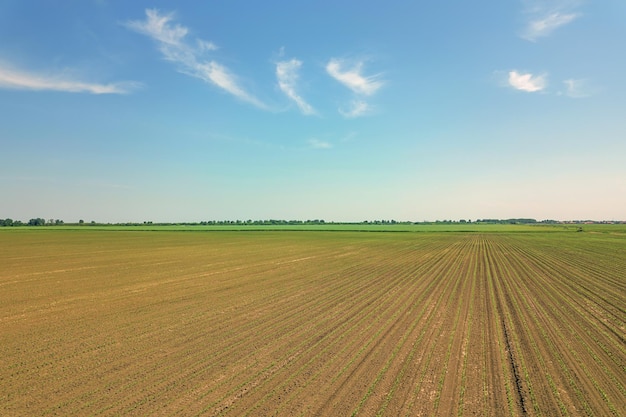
(120, 111)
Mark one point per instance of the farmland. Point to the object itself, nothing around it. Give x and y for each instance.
(201, 323)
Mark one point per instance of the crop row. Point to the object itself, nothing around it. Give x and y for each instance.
(287, 323)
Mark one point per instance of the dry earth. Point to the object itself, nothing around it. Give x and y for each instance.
(312, 323)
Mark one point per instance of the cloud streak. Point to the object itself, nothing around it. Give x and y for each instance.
(352, 77)
(287, 75)
(527, 82)
(172, 43)
(544, 26)
(21, 80)
(543, 21)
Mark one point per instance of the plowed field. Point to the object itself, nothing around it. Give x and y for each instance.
(107, 323)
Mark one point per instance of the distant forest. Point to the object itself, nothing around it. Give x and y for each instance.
(56, 222)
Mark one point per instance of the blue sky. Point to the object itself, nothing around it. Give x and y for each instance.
(186, 111)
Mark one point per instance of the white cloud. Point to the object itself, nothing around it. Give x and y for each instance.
(546, 16)
(172, 44)
(287, 75)
(352, 77)
(158, 27)
(220, 76)
(544, 26)
(527, 82)
(357, 108)
(21, 80)
(319, 144)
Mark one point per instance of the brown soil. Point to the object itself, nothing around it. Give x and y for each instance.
(398, 324)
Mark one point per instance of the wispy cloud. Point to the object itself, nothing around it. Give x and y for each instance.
(527, 82)
(545, 25)
(319, 144)
(287, 75)
(172, 43)
(22, 80)
(545, 17)
(220, 76)
(577, 88)
(357, 108)
(352, 77)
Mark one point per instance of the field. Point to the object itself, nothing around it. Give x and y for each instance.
(488, 322)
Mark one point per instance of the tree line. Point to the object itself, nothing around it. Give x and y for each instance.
(271, 222)
(32, 222)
